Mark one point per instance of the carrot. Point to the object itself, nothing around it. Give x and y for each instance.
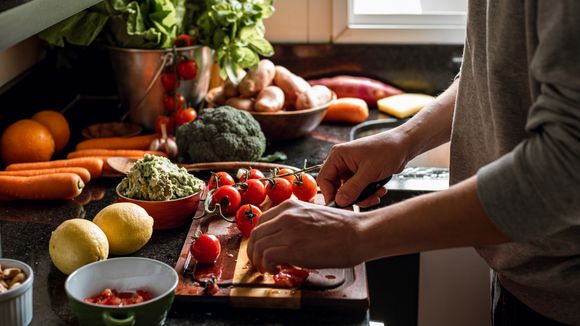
(45, 187)
(81, 172)
(94, 165)
(112, 152)
(347, 109)
(136, 142)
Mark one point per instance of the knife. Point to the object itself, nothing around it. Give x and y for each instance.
(368, 191)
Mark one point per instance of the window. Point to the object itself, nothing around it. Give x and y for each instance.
(399, 21)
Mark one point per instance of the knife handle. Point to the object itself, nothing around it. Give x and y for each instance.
(368, 191)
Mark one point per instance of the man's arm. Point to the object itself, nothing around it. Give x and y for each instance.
(444, 219)
(373, 158)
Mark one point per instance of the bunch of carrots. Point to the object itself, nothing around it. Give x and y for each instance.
(66, 178)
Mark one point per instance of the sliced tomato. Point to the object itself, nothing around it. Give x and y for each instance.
(290, 277)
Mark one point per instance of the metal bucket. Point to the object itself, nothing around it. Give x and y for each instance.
(137, 75)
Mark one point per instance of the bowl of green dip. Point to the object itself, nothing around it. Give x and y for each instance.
(167, 192)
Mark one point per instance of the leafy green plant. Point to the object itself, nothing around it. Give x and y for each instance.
(233, 28)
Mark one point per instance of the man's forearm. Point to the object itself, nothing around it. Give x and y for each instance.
(445, 219)
(431, 127)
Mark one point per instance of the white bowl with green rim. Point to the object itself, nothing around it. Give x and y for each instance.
(125, 274)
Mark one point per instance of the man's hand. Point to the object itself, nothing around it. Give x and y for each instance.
(358, 163)
(305, 235)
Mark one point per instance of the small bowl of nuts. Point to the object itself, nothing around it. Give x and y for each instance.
(16, 280)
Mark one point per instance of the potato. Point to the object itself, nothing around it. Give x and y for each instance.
(216, 96)
(246, 104)
(257, 79)
(230, 89)
(315, 96)
(291, 84)
(270, 99)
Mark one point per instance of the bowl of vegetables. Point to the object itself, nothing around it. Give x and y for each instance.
(284, 104)
(167, 192)
(122, 291)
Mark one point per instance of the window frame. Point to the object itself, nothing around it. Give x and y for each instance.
(367, 30)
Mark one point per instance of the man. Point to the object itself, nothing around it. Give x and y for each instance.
(513, 117)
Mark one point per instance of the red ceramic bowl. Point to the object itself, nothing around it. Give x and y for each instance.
(167, 214)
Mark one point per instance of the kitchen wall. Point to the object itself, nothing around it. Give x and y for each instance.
(17, 59)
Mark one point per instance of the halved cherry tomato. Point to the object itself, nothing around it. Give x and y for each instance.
(170, 104)
(228, 197)
(219, 179)
(290, 178)
(164, 120)
(279, 190)
(169, 81)
(206, 248)
(253, 192)
(290, 277)
(245, 174)
(187, 69)
(304, 187)
(183, 40)
(247, 217)
(184, 116)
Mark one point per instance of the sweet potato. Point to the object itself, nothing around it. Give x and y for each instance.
(315, 96)
(347, 109)
(257, 79)
(270, 99)
(246, 104)
(291, 84)
(369, 90)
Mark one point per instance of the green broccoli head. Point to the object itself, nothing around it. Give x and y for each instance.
(221, 134)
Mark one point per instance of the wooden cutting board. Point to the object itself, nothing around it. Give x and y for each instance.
(240, 285)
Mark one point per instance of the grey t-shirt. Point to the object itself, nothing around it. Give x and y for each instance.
(517, 125)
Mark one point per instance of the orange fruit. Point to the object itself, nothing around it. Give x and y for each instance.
(58, 126)
(26, 141)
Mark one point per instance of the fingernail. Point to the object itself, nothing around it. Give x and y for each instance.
(341, 199)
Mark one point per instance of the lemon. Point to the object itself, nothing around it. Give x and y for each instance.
(127, 226)
(75, 243)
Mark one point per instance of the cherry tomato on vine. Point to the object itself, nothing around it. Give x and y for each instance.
(278, 190)
(183, 40)
(187, 69)
(164, 120)
(206, 248)
(253, 192)
(184, 116)
(247, 217)
(290, 178)
(228, 197)
(223, 179)
(170, 104)
(245, 174)
(169, 81)
(304, 187)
